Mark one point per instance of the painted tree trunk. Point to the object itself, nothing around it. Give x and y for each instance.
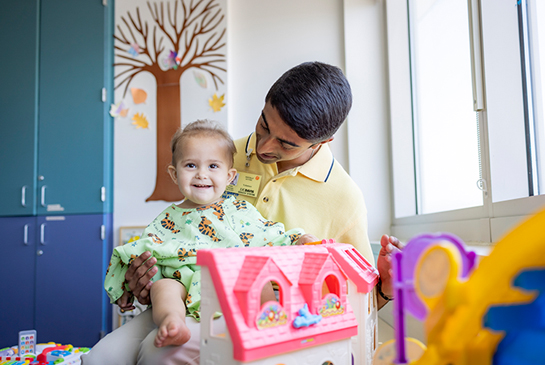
(168, 121)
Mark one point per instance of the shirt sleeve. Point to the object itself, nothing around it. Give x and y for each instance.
(355, 233)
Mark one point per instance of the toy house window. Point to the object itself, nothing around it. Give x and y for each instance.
(331, 285)
(271, 292)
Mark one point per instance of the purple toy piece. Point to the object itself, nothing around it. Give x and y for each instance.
(404, 265)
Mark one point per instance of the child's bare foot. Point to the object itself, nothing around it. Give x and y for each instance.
(172, 331)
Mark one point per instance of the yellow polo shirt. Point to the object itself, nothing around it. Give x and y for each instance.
(318, 196)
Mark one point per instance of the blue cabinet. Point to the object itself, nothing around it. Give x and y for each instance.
(54, 269)
(18, 271)
(70, 295)
(18, 107)
(56, 153)
(56, 166)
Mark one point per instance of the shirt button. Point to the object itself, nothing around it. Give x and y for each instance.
(265, 199)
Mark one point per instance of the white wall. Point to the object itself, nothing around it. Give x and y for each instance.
(266, 38)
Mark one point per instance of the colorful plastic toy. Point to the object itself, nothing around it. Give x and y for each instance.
(248, 332)
(47, 354)
(459, 307)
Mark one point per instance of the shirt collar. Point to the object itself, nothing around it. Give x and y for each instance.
(317, 168)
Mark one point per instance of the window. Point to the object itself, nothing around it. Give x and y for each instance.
(444, 122)
(532, 21)
(467, 115)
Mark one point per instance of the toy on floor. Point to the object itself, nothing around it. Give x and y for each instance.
(307, 325)
(29, 352)
(493, 314)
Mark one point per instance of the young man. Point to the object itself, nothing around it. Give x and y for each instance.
(287, 171)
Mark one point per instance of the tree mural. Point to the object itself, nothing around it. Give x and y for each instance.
(188, 35)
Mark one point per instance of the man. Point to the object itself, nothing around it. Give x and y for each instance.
(287, 171)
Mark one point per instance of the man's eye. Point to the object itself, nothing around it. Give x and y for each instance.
(264, 126)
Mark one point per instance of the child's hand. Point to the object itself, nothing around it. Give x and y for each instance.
(125, 302)
(307, 238)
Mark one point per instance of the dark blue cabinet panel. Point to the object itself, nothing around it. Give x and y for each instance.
(69, 280)
(18, 98)
(18, 247)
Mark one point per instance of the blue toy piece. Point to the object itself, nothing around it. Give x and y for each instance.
(305, 318)
(524, 324)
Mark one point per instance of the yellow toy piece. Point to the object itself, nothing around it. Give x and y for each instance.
(455, 334)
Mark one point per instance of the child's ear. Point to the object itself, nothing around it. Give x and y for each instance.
(173, 174)
(231, 175)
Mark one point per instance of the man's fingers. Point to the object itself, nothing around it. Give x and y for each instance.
(144, 296)
(135, 265)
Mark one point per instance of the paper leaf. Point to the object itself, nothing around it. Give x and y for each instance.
(134, 50)
(216, 103)
(119, 110)
(200, 79)
(171, 61)
(140, 121)
(139, 96)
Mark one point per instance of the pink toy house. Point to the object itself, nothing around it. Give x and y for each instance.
(325, 310)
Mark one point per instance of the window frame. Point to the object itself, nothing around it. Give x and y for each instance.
(476, 225)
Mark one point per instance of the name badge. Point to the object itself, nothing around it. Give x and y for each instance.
(245, 184)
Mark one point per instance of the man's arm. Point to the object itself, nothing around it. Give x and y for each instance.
(138, 276)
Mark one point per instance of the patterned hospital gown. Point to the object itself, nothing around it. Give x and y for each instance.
(175, 236)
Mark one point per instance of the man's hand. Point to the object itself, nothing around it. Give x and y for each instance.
(389, 245)
(307, 238)
(139, 275)
(125, 302)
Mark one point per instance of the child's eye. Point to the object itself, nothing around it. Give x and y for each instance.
(214, 166)
(190, 165)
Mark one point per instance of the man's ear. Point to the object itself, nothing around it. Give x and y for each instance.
(319, 144)
(328, 140)
(173, 174)
(231, 175)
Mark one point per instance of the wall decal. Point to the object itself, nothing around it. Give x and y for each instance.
(216, 103)
(165, 40)
(140, 121)
(139, 96)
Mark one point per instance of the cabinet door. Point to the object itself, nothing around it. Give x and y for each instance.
(18, 42)
(69, 280)
(72, 131)
(18, 247)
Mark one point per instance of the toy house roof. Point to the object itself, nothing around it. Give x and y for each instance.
(239, 275)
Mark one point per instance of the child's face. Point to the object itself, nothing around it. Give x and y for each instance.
(202, 172)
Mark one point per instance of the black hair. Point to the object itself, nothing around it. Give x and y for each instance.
(313, 99)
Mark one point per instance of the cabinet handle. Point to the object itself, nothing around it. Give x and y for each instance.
(43, 195)
(39, 253)
(25, 235)
(23, 196)
(42, 233)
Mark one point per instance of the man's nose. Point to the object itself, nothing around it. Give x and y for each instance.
(266, 145)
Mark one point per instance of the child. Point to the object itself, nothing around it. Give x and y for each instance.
(202, 167)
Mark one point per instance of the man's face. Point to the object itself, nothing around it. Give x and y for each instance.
(277, 142)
